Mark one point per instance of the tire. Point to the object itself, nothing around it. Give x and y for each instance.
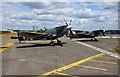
(30, 39)
(52, 43)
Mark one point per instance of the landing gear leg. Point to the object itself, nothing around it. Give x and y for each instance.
(52, 43)
(20, 39)
(95, 39)
(59, 42)
(92, 39)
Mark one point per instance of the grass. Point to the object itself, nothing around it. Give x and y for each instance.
(8, 34)
(117, 49)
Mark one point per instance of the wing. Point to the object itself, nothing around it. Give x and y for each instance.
(35, 33)
(32, 35)
(84, 35)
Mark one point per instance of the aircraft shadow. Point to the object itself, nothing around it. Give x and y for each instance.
(3, 47)
(40, 45)
(86, 40)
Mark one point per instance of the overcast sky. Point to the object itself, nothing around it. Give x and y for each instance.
(84, 15)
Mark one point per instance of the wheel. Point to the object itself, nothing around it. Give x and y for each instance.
(19, 42)
(30, 39)
(52, 43)
(24, 38)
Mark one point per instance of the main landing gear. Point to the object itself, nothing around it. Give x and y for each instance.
(59, 43)
(52, 43)
(94, 39)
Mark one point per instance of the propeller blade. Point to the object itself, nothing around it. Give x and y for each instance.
(103, 31)
(100, 28)
(70, 22)
(71, 34)
(45, 28)
(66, 34)
(65, 21)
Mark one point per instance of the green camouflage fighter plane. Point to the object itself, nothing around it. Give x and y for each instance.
(48, 34)
(86, 34)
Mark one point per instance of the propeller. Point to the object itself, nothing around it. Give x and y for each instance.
(71, 32)
(72, 35)
(102, 30)
(69, 28)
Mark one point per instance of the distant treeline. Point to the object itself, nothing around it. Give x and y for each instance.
(112, 31)
(106, 31)
(23, 30)
(5, 31)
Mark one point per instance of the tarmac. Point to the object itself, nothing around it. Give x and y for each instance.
(73, 58)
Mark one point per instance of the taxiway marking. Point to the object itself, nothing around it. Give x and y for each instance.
(91, 67)
(8, 34)
(100, 50)
(38, 41)
(108, 57)
(103, 62)
(60, 73)
(5, 46)
(72, 64)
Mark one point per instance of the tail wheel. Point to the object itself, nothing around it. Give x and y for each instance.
(30, 39)
(52, 43)
(24, 38)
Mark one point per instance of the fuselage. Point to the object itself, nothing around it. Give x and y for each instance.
(57, 31)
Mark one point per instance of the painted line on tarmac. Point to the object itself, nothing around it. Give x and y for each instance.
(60, 73)
(38, 41)
(8, 34)
(95, 68)
(72, 65)
(106, 57)
(99, 61)
(4, 47)
(100, 50)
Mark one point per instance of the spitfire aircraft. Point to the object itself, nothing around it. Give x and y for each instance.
(47, 34)
(86, 34)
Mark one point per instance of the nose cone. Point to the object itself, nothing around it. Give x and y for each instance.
(69, 27)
